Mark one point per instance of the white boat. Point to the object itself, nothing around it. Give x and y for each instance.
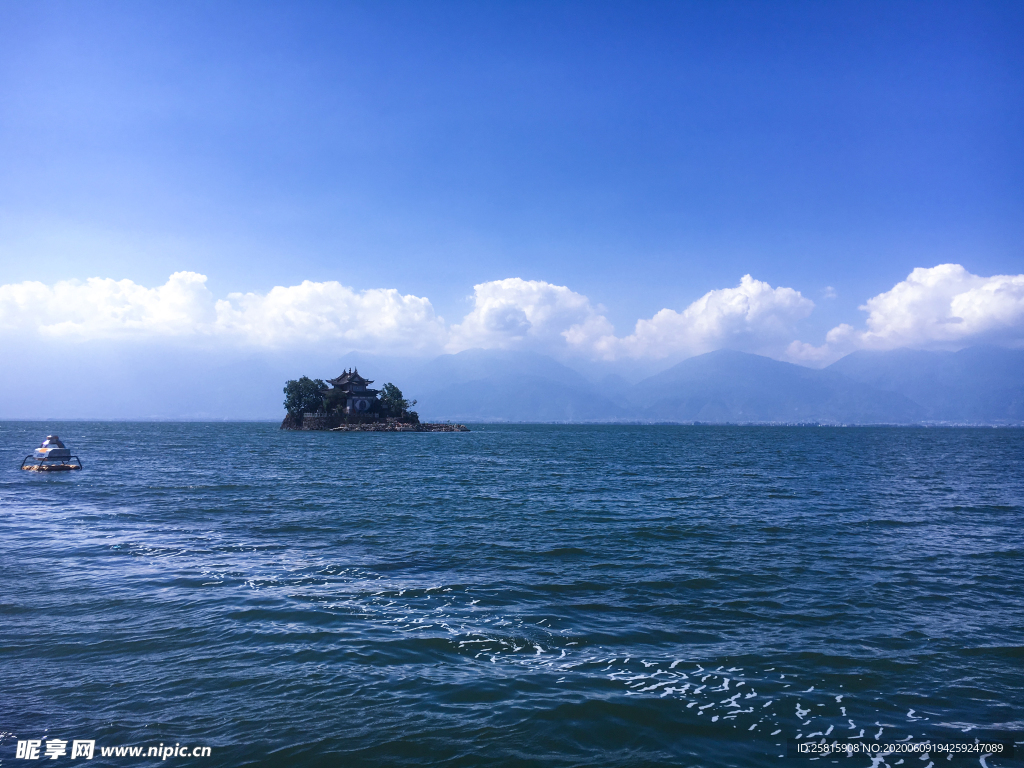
(51, 456)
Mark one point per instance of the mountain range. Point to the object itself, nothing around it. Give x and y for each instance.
(979, 385)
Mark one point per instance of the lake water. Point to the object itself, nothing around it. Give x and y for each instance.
(512, 596)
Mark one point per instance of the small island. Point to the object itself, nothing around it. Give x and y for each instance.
(349, 405)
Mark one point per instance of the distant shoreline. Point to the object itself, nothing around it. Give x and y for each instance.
(902, 425)
(376, 426)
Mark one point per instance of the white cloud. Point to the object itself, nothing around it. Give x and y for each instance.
(101, 307)
(511, 313)
(517, 313)
(753, 317)
(310, 313)
(942, 307)
(379, 319)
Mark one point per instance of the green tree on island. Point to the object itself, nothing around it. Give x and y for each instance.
(394, 404)
(305, 395)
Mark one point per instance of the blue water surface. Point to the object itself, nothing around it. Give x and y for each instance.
(519, 595)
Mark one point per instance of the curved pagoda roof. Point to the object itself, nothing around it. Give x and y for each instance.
(349, 378)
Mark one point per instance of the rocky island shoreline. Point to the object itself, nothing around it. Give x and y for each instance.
(422, 427)
(316, 422)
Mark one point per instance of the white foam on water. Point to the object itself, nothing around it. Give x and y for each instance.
(507, 644)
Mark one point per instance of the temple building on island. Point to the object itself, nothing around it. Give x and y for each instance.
(347, 404)
(352, 392)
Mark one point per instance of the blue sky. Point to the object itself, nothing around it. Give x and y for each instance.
(640, 155)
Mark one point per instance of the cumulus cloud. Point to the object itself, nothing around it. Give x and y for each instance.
(514, 313)
(376, 319)
(506, 314)
(753, 316)
(942, 307)
(101, 307)
(309, 313)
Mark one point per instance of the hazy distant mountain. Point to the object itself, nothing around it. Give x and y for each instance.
(974, 385)
(726, 386)
(88, 381)
(492, 385)
(982, 385)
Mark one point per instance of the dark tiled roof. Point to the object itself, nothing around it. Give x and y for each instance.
(349, 377)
